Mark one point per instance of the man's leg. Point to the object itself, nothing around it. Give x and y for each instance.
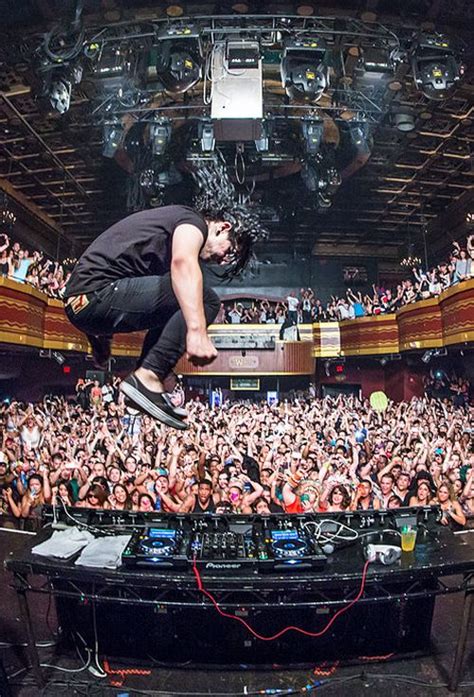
(134, 304)
(170, 344)
(161, 352)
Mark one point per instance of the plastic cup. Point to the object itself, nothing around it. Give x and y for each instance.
(408, 538)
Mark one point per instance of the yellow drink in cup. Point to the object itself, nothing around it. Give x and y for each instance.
(408, 538)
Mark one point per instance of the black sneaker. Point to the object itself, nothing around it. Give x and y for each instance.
(178, 411)
(156, 404)
(101, 349)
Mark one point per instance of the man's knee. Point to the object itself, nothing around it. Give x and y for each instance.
(212, 304)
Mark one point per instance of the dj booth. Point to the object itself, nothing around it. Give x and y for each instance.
(222, 590)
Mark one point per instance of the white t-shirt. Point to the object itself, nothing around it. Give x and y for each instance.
(31, 437)
(344, 312)
(234, 316)
(107, 393)
(292, 303)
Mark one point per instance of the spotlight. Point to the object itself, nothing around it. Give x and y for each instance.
(312, 134)
(436, 69)
(114, 68)
(206, 135)
(160, 136)
(304, 72)
(374, 63)
(322, 180)
(359, 132)
(262, 144)
(179, 60)
(404, 121)
(60, 95)
(112, 138)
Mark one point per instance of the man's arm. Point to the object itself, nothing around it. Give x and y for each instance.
(186, 279)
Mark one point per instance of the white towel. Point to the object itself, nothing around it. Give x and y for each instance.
(104, 552)
(64, 544)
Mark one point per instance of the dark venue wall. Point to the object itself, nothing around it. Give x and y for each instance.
(275, 274)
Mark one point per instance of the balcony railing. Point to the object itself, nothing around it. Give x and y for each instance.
(30, 318)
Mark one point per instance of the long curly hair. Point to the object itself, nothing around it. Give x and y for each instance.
(216, 199)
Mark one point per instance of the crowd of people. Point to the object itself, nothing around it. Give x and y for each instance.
(306, 307)
(23, 266)
(299, 455)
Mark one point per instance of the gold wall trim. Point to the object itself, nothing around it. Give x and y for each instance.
(29, 318)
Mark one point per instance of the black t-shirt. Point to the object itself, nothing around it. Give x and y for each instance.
(137, 246)
(210, 508)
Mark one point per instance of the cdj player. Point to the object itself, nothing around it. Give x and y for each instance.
(156, 546)
(222, 545)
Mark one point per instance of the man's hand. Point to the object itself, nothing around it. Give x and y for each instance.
(199, 348)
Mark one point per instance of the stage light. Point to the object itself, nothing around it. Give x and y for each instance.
(207, 136)
(359, 132)
(60, 95)
(262, 144)
(312, 134)
(160, 136)
(112, 66)
(375, 62)
(404, 121)
(322, 179)
(436, 69)
(304, 72)
(179, 59)
(112, 138)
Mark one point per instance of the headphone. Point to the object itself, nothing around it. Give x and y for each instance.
(385, 554)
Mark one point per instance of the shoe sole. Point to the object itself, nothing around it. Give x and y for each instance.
(151, 409)
(133, 405)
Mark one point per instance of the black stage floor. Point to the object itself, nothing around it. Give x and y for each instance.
(388, 677)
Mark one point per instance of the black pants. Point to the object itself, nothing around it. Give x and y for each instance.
(134, 304)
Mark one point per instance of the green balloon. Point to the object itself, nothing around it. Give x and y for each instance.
(378, 401)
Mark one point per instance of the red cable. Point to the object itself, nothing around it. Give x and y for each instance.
(286, 629)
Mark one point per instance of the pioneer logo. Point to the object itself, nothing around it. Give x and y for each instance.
(213, 565)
